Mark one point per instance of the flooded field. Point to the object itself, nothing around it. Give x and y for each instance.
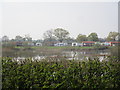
(43, 53)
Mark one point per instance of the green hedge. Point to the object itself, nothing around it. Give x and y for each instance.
(60, 74)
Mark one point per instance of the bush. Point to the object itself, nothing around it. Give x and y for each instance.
(60, 74)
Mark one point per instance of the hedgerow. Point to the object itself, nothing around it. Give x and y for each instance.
(60, 74)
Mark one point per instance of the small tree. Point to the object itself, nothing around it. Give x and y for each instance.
(48, 35)
(81, 38)
(113, 36)
(93, 37)
(18, 38)
(5, 38)
(49, 38)
(27, 38)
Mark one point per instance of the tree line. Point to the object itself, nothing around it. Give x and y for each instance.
(60, 34)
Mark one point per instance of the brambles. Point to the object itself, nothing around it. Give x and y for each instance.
(60, 74)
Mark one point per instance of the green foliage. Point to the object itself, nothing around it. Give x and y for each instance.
(60, 74)
(81, 38)
(93, 37)
(113, 36)
(61, 34)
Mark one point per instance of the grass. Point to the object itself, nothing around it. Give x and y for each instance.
(56, 47)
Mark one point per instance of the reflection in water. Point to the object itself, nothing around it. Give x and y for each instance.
(83, 55)
(70, 55)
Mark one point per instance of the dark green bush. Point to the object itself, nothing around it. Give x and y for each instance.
(60, 74)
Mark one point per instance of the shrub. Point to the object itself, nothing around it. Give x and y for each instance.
(60, 74)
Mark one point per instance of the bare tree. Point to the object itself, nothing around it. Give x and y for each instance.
(49, 38)
(48, 34)
(28, 38)
(18, 38)
(5, 38)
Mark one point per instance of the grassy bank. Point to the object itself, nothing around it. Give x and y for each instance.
(57, 47)
(65, 47)
(61, 74)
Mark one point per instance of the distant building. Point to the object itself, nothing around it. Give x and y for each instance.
(19, 44)
(88, 43)
(38, 44)
(105, 44)
(60, 44)
(77, 44)
(114, 43)
(98, 43)
(30, 44)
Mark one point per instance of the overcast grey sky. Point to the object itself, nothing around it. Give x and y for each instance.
(35, 18)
